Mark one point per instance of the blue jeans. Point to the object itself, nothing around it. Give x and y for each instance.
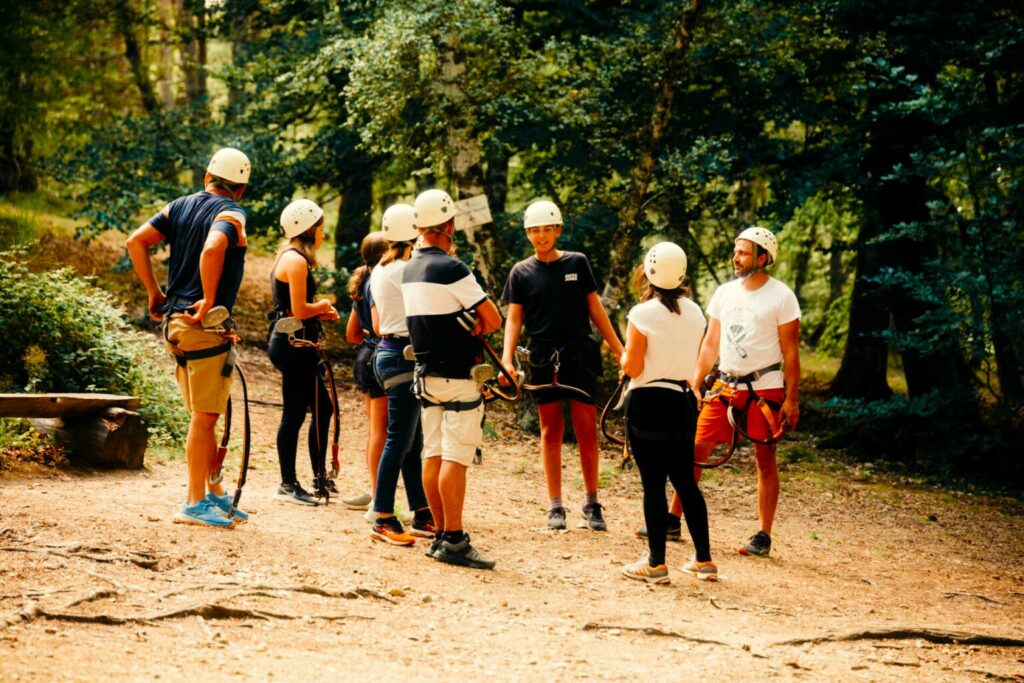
(404, 444)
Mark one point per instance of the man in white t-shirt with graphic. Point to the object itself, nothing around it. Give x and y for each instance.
(753, 332)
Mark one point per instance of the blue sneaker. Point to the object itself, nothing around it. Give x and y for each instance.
(203, 514)
(223, 503)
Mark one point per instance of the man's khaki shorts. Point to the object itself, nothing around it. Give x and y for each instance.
(452, 435)
(203, 385)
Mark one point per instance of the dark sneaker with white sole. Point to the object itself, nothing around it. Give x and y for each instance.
(759, 545)
(462, 554)
(435, 545)
(556, 518)
(294, 493)
(674, 531)
(595, 519)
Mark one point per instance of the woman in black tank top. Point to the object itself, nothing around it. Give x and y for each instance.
(293, 287)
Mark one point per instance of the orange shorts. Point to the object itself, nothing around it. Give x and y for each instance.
(713, 425)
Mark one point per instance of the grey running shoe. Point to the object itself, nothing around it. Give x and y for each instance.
(462, 554)
(595, 520)
(556, 518)
(357, 502)
(294, 493)
(759, 545)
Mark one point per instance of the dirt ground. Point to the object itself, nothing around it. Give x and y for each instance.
(97, 581)
(922, 583)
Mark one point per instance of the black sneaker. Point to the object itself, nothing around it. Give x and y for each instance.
(556, 518)
(294, 493)
(423, 524)
(462, 554)
(595, 520)
(323, 487)
(759, 545)
(435, 545)
(674, 531)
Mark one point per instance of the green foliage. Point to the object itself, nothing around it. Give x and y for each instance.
(20, 443)
(61, 334)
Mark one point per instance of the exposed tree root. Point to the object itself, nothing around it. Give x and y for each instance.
(205, 610)
(961, 594)
(140, 559)
(95, 595)
(930, 635)
(651, 631)
(353, 594)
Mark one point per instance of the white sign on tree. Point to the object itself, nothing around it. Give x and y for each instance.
(472, 212)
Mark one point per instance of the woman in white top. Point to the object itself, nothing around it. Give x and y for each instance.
(404, 441)
(662, 340)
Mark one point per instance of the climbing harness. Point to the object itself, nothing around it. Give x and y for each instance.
(218, 320)
(290, 326)
(525, 357)
(723, 387)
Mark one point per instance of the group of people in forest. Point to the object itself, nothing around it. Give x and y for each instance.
(419, 316)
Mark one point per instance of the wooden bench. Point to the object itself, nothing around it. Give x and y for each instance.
(103, 429)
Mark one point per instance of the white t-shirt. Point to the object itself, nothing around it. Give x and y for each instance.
(386, 289)
(750, 327)
(673, 340)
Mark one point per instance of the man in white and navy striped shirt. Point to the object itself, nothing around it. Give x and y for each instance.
(439, 290)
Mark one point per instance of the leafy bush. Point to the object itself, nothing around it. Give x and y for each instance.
(63, 334)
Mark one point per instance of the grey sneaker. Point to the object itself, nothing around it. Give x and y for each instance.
(357, 502)
(556, 518)
(595, 520)
(759, 545)
(462, 554)
(294, 493)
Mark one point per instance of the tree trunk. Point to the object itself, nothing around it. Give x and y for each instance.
(16, 172)
(862, 373)
(467, 170)
(191, 22)
(497, 179)
(802, 259)
(237, 16)
(625, 238)
(127, 24)
(356, 206)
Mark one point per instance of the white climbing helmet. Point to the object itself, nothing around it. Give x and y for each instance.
(230, 164)
(300, 216)
(397, 224)
(541, 212)
(665, 265)
(763, 238)
(433, 207)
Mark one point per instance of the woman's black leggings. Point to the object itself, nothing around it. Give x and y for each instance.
(301, 390)
(662, 423)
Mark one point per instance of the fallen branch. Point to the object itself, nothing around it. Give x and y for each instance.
(930, 635)
(955, 594)
(652, 631)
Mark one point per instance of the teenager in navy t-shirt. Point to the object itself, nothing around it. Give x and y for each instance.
(555, 295)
